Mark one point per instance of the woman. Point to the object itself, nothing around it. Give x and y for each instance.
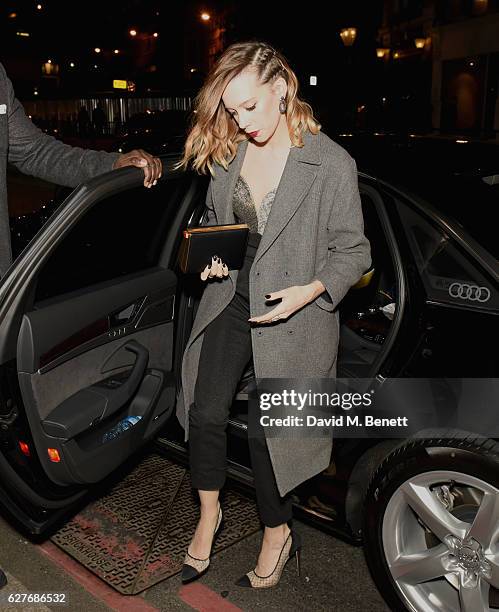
(272, 168)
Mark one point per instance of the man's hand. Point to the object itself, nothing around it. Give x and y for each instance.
(293, 298)
(152, 166)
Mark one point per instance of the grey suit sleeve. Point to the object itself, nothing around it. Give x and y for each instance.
(349, 251)
(36, 153)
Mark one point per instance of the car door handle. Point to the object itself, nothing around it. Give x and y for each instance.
(91, 405)
(125, 315)
(118, 396)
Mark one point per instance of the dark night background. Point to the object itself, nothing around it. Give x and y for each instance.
(68, 32)
(446, 85)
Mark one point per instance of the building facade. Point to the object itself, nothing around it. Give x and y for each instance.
(451, 50)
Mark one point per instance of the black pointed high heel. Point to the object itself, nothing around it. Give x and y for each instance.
(292, 547)
(193, 568)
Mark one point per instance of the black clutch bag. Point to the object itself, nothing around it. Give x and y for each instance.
(200, 244)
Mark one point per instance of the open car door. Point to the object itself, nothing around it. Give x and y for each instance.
(87, 339)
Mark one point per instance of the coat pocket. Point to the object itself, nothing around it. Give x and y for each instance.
(320, 339)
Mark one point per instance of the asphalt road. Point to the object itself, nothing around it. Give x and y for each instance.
(334, 578)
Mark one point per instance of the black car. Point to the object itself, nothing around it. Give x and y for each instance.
(94, 316)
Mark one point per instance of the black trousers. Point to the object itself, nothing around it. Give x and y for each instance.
(225, 353)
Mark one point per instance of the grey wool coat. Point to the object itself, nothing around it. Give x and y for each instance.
(34, 152)
(315, 230)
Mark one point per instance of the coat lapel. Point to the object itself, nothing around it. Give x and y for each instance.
(298, 175)
(224, 184)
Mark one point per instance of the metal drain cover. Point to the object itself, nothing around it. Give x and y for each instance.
(137, 534)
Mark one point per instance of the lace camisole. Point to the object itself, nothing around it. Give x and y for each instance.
(244, 209)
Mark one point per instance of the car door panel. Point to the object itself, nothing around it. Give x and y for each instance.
(50, 330)
(51, 388)
(86, 362)
(87, 337)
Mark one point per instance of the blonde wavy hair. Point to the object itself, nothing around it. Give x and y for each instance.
(213, 136)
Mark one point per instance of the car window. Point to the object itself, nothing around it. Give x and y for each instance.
(448, 274)
(119, 235)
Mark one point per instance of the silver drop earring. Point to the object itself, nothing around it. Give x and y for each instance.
(282, 105)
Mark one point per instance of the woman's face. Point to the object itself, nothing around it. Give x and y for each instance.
(255, 107)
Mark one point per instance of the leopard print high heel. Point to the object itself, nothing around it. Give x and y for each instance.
(194, 568)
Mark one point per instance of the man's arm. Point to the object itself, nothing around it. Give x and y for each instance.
(36, 153)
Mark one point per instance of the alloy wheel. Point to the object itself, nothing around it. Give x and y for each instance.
(440, 536)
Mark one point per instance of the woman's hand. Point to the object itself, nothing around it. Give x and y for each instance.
(217, 269)
(293, 298)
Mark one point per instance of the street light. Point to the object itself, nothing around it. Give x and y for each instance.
(116, 51)
(97, 49)
(420, 42)
(348, 36)
(205, 16)
(382, 52)
(133, 32)
(155, 35)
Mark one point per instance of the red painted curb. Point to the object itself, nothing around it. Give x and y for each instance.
(203, 599)
(94, 585)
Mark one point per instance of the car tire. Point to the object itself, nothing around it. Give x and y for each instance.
(437, 498)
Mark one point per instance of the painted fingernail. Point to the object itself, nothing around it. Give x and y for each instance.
(267, 295)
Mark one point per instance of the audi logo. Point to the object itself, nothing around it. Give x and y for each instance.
(474, 293)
